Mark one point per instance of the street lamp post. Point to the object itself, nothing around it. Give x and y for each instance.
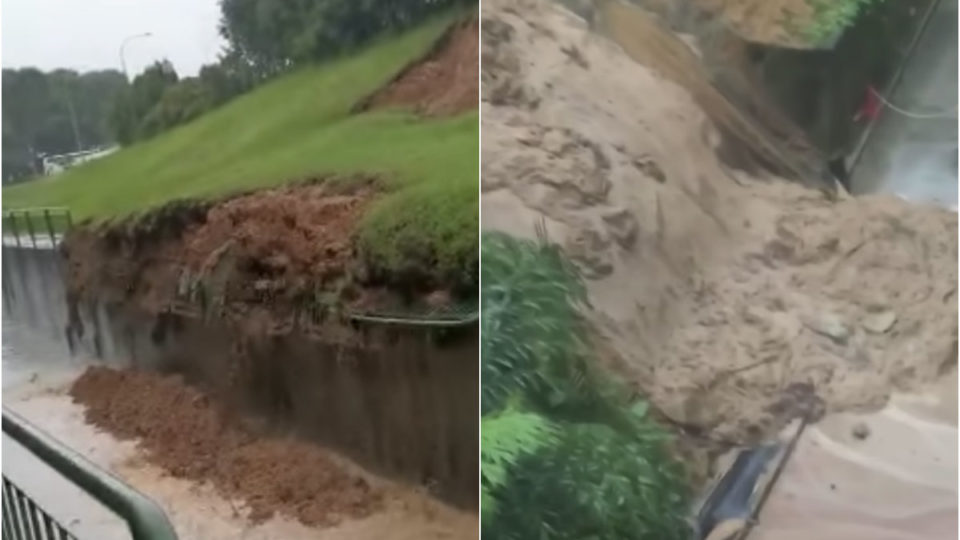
(123, 61)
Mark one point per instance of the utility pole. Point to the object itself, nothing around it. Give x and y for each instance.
(123, 61)
(73, 119)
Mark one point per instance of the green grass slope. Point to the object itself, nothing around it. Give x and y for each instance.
(296, 127)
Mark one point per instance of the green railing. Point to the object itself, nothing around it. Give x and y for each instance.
(36, 227)
(23, 519)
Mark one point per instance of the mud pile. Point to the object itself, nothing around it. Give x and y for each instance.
(732, 301)
(443, 82)
(186, 433)
(287, 247)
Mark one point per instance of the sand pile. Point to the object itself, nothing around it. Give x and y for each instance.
(444, 81)
(732, 302)
(186, 433)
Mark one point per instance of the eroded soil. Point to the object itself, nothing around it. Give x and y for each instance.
(444, 82)
(261, 259)
(283, 244)
(731, 299)
(187, 433)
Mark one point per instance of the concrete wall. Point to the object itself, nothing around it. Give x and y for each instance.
(916, 157)
(400, 400)
(33, 289)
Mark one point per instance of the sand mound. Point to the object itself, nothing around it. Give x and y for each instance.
(443, 82)
(733, 303)
(185, 432)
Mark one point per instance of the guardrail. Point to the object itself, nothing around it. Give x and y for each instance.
(36, 227)
(23, 519)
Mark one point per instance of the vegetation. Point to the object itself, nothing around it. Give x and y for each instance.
(564, 454)
(54, 113)
(272, 35)
(296, 127)
(830, 17)
(265, 38)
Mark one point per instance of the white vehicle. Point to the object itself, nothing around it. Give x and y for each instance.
(56, 164)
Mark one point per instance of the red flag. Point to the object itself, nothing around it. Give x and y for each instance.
(871, 107)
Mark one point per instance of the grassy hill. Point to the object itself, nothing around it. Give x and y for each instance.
(296, 127)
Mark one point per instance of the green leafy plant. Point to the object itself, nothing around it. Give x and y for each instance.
(564, 453)
(595, 482)
(533, 334)
(506, 438)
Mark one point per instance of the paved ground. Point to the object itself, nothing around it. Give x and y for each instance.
(916, 158)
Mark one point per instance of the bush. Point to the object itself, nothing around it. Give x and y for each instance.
(832, 16)
(563, 453)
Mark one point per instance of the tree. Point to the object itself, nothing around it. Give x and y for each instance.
(138, 100)
(53, 113)
(272, 35)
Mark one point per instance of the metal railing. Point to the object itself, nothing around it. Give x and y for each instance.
(23, 519)
(450, 316)
(35, 227)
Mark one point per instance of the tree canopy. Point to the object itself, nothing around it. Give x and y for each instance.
(54, 113)
(63, 111)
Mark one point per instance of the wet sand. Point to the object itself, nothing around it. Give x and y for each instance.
(897, 483)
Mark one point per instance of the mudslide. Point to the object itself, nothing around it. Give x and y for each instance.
(733, 300)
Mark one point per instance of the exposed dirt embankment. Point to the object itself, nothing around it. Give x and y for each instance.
(267, 255)
(253, 298)
(185, 431)
(445, 81)
(733, 302)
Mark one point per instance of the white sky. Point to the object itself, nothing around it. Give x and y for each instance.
(86, 34)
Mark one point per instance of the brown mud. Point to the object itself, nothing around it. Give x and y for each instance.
(262, 257)
(445, 81)
(732, 299)
(252, 298)
(188, 434)
(283, 245)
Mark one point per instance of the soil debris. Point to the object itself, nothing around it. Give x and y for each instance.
(729, 292)
(444, 82)
(283, 246)
(860, 431)
(184, 431)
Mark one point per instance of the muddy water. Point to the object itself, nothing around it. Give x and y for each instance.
(197, 511)
(897, 483)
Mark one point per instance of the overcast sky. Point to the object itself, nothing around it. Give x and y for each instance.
(86, 34)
